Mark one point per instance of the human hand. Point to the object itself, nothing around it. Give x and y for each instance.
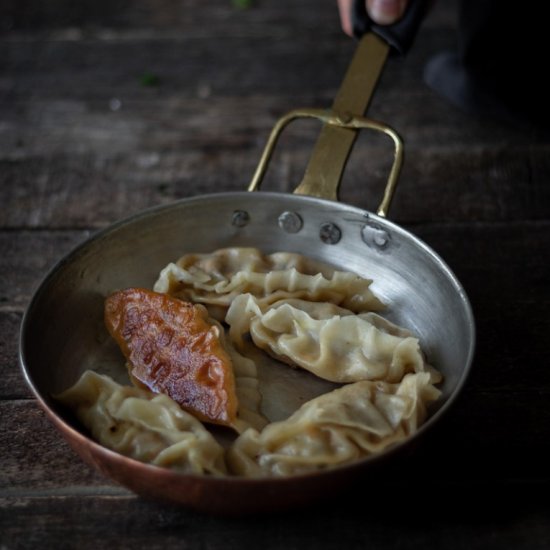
(383, 12)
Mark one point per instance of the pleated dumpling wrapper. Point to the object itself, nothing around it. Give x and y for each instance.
(327, 340)
(217, 278)
(142, 425)
(336, 428)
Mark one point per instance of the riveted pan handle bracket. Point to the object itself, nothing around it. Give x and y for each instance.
(336, 120)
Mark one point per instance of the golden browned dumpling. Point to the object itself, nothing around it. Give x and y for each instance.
(172, 348)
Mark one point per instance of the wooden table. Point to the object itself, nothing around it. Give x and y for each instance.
(107, 108)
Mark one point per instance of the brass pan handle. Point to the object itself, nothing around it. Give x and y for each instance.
(340, 126)
(322, 187)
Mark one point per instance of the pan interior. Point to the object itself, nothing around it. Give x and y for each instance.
(63, 332)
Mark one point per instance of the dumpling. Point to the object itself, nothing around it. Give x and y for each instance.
(336, 428)
(247, 387)
(217, 279)
(329, 341)
(148, 427)
(171, 348)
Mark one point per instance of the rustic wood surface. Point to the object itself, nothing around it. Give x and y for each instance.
(107, 108)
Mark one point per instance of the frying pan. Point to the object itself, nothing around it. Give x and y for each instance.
(62, 332)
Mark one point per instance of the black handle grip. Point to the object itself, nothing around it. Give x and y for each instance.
(400, 35)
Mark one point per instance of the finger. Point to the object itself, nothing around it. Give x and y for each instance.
(344, 8)
(386, 12)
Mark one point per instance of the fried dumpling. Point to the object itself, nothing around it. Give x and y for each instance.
(217, 279)
(339, 427)
(171, 348)
(329, 341)
(143, 425)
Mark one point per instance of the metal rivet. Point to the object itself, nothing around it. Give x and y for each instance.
(330, 233)
(291, 222)
(240, 218)
(375, 236)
